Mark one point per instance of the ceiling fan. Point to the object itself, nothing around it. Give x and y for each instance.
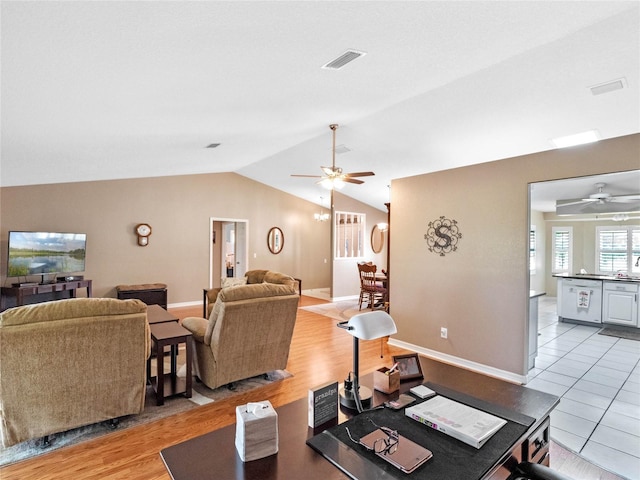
(333, 176)
(598, 202)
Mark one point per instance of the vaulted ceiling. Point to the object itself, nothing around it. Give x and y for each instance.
(106, 90)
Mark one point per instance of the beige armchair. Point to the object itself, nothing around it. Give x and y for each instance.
(70, 363)
(252, 277)
(248, 333)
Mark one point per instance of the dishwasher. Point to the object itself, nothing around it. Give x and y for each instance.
(581, 300)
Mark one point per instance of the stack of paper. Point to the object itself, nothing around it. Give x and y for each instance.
(472, 426)
(256, 430)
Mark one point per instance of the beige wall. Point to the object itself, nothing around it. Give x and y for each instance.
(178, 209)
(480, 292)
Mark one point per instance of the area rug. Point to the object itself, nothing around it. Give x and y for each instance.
(339, 310)
(620, 333)
(201, 395)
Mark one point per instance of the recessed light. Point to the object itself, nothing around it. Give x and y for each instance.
(589, 136)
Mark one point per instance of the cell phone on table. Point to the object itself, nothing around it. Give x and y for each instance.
(407, 456)
(402, 401)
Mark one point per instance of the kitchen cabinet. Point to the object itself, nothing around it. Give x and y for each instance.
(620, 303)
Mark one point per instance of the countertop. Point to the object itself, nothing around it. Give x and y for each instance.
(608, 278)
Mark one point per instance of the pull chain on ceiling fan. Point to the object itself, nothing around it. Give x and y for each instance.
(333, 177)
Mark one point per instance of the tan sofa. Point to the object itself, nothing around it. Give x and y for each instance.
(248, 333)
(70, 363)
(252, 277)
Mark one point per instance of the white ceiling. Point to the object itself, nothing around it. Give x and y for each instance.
(106, 90)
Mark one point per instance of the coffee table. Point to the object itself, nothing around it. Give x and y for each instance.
(170, 334)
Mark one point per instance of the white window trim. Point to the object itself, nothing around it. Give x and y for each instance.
(356, 239)
(569, 268)
(629, 250)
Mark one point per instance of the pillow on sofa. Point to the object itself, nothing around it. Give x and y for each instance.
(278, 278)
(255, 276)
(226, 282)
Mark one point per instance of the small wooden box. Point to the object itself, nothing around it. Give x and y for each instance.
(386, 383)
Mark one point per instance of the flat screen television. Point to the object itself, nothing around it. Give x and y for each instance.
(40, 253)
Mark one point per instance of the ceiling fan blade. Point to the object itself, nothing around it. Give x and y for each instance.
(352, 180)
(360, 174)
(575, 201)
(309, 176)
(625, 198)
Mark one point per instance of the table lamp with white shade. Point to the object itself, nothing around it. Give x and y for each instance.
(364, 326)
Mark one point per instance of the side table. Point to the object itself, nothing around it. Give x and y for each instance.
(170, 334)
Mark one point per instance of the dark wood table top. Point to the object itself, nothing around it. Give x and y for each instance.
(214, 455)
(157, 314)
(168, 330)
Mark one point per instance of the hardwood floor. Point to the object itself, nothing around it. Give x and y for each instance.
(320, 352)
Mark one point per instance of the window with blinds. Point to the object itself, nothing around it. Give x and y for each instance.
(618, 248)
(349, 230)
(561, 249)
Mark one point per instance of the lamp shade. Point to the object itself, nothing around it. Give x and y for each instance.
(371, 325)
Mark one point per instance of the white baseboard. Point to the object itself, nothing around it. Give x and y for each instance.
(185, 304)
(461, 362)
(343, 299)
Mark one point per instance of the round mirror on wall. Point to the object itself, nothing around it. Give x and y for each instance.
(377, 239)
(275, 240)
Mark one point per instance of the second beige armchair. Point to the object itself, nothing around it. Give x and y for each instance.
(248, 333)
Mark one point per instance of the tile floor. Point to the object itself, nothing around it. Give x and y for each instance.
(598, 380)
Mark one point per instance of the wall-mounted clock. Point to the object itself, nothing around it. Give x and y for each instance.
(143, 230)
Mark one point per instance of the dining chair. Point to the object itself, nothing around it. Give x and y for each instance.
(370, 286)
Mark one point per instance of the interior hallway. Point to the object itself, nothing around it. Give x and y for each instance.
(598, 380)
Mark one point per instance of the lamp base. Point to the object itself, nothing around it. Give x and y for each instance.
(348, 400)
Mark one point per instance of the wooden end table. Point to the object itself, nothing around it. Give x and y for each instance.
(170, 334)
(157, 314)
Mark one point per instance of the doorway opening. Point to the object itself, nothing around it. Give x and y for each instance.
(228, 257)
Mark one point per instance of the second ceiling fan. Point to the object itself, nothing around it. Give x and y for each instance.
(333, 176)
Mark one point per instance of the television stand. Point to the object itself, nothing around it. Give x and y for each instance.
(23, 294)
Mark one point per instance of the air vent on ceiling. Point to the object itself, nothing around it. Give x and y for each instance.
(213, 145)
(343, 59)
(342, 149)
(607, 87)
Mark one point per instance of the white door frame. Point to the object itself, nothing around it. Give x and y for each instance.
(241, 250)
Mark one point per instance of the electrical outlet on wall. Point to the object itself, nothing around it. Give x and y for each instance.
(443, 332)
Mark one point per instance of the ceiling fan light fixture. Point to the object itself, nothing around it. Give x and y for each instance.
(581, 138)
(332, 183)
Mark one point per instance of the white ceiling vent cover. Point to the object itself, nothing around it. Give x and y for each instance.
(343, 59)
(607, 87)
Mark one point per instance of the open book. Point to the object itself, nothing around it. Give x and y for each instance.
(470, 425)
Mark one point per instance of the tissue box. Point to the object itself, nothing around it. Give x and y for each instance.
(256, 430)
(386, 383)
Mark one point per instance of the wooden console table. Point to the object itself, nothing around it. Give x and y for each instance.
(17, 296)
